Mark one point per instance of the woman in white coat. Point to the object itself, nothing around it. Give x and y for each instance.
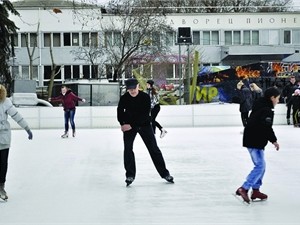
(7, 108)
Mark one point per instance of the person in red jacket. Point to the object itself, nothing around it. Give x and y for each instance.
(68, 100)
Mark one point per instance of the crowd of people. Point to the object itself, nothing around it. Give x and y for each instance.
(137, 112)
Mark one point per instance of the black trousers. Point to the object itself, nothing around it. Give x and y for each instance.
(154, 113)
(3, 164)
(147, 135)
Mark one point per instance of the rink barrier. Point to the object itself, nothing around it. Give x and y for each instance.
(213, 114)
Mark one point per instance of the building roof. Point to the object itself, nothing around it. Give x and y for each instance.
(42, 3)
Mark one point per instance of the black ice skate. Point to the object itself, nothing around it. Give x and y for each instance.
(65, 135)
(129, 181)
(3, 194)
(169, 178)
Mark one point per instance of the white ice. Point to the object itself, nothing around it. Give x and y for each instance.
(55, 181)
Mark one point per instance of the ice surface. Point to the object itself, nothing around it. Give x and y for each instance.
(81, 180)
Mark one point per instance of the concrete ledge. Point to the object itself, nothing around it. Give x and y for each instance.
(213, 114)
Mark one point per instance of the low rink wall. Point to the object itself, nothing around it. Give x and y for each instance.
(213, 114)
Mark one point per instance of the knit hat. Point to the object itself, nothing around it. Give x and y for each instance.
(131, 83)
(151, 82)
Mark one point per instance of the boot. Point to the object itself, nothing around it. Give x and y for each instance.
(73, 133)
(3, 194)
(257, 194)
(65, 135)
(243, 193)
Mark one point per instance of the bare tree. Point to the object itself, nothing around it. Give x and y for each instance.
(130, 29)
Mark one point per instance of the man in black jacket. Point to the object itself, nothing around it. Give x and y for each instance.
(257, 133)
(133, 114)
(287, 92)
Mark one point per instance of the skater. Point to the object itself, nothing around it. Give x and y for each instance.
(245, 101)
(256, 91)
(287, 92)
(68, 100)
(295, 103)
(7, 108)
(257, 133)
(155, 107)
(133, 114)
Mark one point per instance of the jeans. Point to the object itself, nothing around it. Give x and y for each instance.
(147, 135)
(69, 115)
(3, 164)
(254, 179)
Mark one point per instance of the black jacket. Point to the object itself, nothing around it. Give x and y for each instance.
(134, 110)
(258, 130)
(245, 99)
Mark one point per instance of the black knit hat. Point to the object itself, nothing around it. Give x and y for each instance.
(131, 83)
(151, 82)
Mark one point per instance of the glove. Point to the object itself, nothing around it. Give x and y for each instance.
(29, 134)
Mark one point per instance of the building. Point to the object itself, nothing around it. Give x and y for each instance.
(222, 40)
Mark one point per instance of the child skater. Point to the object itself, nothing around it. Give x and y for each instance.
(257, 133)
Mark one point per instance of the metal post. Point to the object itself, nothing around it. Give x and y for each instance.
(180, 74)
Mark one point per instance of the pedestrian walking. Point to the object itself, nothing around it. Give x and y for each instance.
(257, 133)
(68, 100)
(7, 109)
(155, 107)
(287, 92)
(133, 114)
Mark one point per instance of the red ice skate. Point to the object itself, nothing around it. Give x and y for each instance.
(257, 194)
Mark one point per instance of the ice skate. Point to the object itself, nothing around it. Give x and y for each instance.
(129, 181)
(169, 178)
(73, 133)
(243, 193)
(288, 121)
(3, 194)
(65, 135)
(257, 194)
(163, 133)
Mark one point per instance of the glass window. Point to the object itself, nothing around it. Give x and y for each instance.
(76, 74)
(117, 38)
(228, 38)
(95, 71)
(296, 37)
(255, 37)
(33, 39)
(56, 40)
(24, 40)
(236, 37)
(127, 39)
(215, 38)
(47, 40)
(85, 39)
(206, 38)
(196, 37)
(34, 72)
(109, 71)
(86, 71)
(68, 72)
(108, 39)
(25, 72)
(246, 37)
(67, 39)
(287, 37)
(170, 70)
(75, 39)
(47, 72)
(94, 39)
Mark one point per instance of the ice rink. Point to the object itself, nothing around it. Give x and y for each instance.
(80, 181)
